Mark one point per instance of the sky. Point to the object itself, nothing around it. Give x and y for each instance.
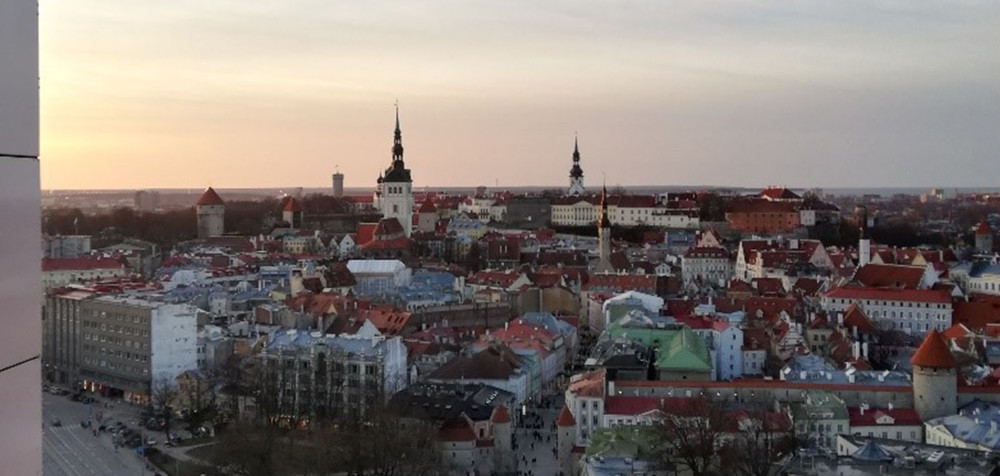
(276, 93)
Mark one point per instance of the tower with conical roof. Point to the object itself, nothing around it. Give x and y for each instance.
(503, 441)
(576, 173)
(292, 213)
(604, 236)
(984, 238)
(935, 383)
(211, 212)
(565, 440)
(394, 195)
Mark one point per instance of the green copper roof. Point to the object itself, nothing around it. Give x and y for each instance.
(676, 349)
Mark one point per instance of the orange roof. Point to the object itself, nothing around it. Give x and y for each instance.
(565, 418)
(500, 415)
(293, 205)
(933, 352)
(983, 228)
(856, 317)
(210, 198)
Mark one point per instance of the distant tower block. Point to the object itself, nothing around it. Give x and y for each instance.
(338, 185)
(211, 211)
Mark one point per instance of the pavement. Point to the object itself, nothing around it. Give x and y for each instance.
(540, 459)
(70, 450)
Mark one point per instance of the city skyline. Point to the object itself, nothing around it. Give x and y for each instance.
(736, 94)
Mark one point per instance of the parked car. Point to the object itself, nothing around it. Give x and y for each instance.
(56, 422)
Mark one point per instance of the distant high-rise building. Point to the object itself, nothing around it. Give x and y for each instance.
(20, 253)
(394, 193)
(338, 185)
(147, 200)
(211, 212)
(576, 173)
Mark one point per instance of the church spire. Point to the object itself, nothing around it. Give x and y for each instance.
(397, 141)
(605, 221)
(576, 150)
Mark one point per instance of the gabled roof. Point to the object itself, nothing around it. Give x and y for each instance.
(890, 276)
(209, 197)
(890, 294)
(854, 316)
(456, 430)
(933, 352)
(565, 418)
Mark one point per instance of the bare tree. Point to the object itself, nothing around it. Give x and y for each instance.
(689, 435)
(756, 442)
(163, 394)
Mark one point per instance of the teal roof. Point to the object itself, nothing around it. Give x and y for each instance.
(676, 349)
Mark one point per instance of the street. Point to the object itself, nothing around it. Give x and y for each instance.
(70, 450)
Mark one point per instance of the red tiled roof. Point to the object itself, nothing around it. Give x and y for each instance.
(366, 233)
(456, 430)
(500, 415)
(623, 282)
(209, 197)
(933, 352)
(889, 275)
(886, 294)
(80, 264)
(388, 226)
(292, 205)
(427, 206)
(976, 315)
(778, 193)
(983, 228)
(854, 316)
(565, 418)
(902, 416)
(629, 405)
(957, 331)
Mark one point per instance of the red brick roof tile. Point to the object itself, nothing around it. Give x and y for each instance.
(933, 352)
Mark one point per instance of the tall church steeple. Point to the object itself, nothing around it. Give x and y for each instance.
(397, 142)
(576, 173)
(604, 236)
(394, 192)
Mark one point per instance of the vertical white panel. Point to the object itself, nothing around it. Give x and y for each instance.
(20, 261)
(19, 77)
(20, 247)
(21, 420)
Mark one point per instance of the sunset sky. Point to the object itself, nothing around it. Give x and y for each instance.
(261, 93)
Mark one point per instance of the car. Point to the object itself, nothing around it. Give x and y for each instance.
(56, 422)
(151, 441)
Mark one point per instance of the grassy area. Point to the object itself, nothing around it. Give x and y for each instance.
(168, 464)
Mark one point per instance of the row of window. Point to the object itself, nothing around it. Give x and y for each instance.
(115, 340)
